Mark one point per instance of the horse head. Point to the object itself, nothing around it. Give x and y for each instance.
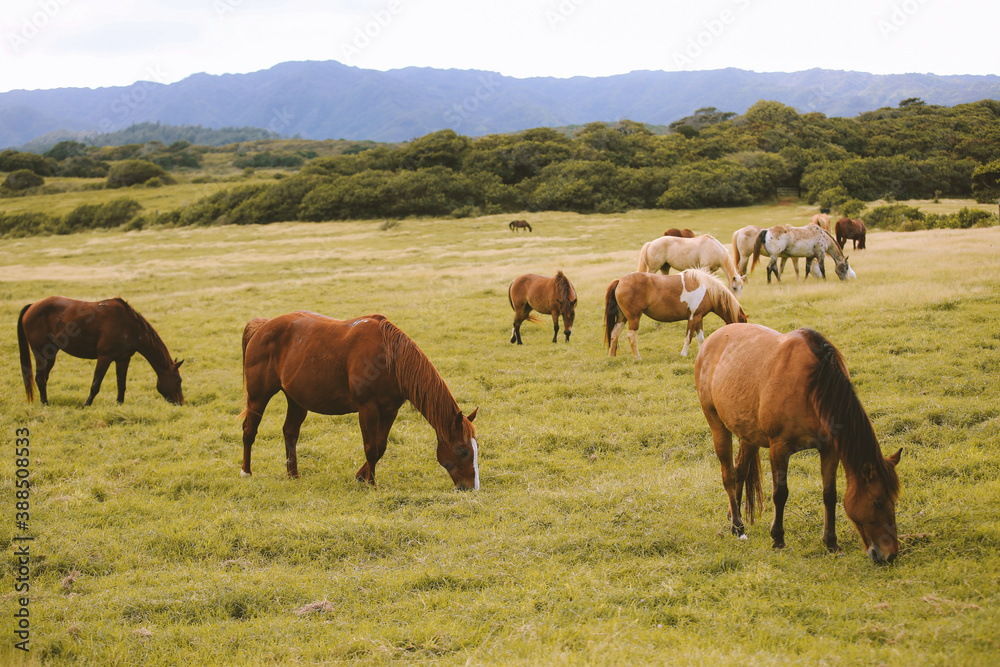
(168, 383)
(844, 270)
(459, 452)
(871, 504)
(736, 284)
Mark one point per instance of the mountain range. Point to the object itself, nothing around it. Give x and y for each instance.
(329, 100)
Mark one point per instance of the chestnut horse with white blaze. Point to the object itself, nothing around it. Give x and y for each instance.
(790, 392)
(555, 296)
(672, 252)
(108, 331)
(335, 367)
(689, 295)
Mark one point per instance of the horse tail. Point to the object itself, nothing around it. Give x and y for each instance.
(748, 458)
(643, 265)
(757, 245)
(25, 350)
(736, 250)
(611, 312)
(248, 331)
(861, 241)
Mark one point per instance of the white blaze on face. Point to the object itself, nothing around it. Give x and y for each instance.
(692, 299)
(475, 460)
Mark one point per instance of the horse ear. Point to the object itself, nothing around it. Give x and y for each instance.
(177, 364)
(472, 415)
(894, 459)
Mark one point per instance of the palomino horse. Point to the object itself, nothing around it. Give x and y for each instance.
(109, 330)
(743, 240)
(365, 365)
(682, 233)
(554, 295)
(519, 224)
(680, 253)
(790, 392)
(821, 220)
(689, 296)
(853, 229)
(811, 242)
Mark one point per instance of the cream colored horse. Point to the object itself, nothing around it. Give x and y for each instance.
(821, 219)
(743, 240)
(668, 252)
(688, 296)
(811, 242)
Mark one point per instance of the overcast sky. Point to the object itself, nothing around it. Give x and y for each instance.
(94, 43)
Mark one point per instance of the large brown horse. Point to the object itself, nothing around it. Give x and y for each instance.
(335, 367)
(689, 295)
(853, 229)
(109, 330)
(519, 224)
(680, 233)
(790, 392)
(554, 295)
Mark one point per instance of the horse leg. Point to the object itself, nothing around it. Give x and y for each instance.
(99, 371)
(694, 325)
(121, 373)
(294, 417)
(795, 265)
(633, 341)
(375, 427)
(822, 266)
(252, 415)
(829, 461)
(784, 260)
(722, 439)
(44, 361)
(515, 333)
(779, 476)
(615, 333)
(555, 327)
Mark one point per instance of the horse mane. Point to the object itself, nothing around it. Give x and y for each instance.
(418, 379)
(834, 239)
(146, 331)
(720, 294)
(842, 415)
(563, 291)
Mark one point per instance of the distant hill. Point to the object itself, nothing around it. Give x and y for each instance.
(329, 100)
(141, 133)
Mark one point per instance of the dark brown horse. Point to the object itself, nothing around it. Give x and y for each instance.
(790, 392)
(681, 233)
(109, 330)
(519, 224)
(336, 367)
(853, 229)
(553, 295)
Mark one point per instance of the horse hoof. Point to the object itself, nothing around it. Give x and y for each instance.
(744, 537)
(244, 473)
(778, 545)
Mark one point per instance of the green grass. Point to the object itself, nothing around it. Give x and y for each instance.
(600, 533)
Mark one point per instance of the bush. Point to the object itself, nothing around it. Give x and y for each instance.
(11, 160)
(891, 216)
(83, 166)
(133, 172)
(102, 216)
(14, 225)
(22, 179)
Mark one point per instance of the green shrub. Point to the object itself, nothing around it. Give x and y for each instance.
(22, 179)
(13, 225)
(114, 213)
(892, 215)
(126, 173)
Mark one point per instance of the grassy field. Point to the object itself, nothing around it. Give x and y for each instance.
(599, 535)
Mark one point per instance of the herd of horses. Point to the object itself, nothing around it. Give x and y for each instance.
(783, 392)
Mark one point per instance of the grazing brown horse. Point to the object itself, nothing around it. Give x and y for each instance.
(109, 330)
(336, 367)
(554, 295)
(689, 295)
(853, 229)
(790, 392)
(519, 224)
(680, 233)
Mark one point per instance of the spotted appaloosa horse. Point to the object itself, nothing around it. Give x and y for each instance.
(364, 365)
(109, 331)
(810, 241)
(789, 392)
(555, 296)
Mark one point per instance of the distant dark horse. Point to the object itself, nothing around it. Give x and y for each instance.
(554, 295)
(336, 367)
(519, 224)
(846, 228)
(682, 233)
(109, 330)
